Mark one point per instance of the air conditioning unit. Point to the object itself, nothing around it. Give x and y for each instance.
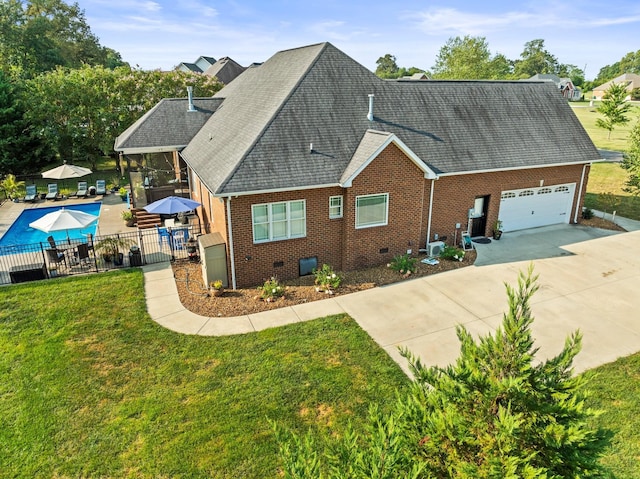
(435, 248)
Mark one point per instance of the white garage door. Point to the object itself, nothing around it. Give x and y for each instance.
(533, 207)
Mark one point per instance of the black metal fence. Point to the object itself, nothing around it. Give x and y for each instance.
(28, 262)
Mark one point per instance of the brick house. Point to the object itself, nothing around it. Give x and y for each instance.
(310, 158)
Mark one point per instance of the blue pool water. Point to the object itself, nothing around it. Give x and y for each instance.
(21, 234)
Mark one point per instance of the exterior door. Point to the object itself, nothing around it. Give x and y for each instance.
(479, 216)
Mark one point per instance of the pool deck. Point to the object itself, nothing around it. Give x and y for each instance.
(110, 220)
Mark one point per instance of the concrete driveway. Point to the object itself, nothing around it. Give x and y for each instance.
(589, 280)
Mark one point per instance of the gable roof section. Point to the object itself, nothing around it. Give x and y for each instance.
(630, 80)
(168, 126)
(372, 144)
(188, 67)
(225, 70)
(258, 140)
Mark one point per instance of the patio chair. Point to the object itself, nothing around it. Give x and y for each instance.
(180, 238)
(81, 254)
(163, 233)
(32, 193)
(52, 242)
(82, 189)
(55, 257)
(101, 187)
(52, 191)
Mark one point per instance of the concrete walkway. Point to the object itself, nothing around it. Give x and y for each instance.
(588, 281)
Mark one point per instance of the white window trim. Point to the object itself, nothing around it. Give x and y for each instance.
(341, 206)
(288, 220)
(386, 212)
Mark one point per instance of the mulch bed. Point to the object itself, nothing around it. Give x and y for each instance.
(194, 295)
(243, 301)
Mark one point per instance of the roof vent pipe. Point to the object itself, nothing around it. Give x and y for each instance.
(192, 107)
(370, 114)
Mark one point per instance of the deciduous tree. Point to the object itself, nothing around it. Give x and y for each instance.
(535, 59)
(614, 107)
(464, 58)
(496, 412)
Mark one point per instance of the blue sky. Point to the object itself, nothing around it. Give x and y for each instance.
(162, 33)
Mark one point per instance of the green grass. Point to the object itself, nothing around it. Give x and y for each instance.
(619, 135)
(616, 391)
(91, 387)
(610, 178)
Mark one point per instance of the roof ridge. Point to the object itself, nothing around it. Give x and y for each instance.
(266, 125)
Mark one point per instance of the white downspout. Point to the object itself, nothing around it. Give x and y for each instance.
(230, 240)
(433, 186)
(575, 218)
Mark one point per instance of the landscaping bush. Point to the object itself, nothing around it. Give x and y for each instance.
(452, 253)
(403, 264)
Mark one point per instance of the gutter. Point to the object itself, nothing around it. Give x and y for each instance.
(230, 240)
(526, 167)
(584, 169)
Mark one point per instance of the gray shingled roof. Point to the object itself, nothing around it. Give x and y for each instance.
(225, 70)
(167, 126)
(259, 138)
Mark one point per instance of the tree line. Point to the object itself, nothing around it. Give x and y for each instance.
(469, 58)
(63, 96)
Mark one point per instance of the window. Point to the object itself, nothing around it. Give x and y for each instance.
(545, 191)
(279, 221)
(372, 210)
(335, 206)
(562, 189)
(526, 193)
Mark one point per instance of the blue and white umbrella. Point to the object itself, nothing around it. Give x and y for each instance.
(172, 205)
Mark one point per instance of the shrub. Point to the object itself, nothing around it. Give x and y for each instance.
(452, 253)
(326, 278)
(271, 289)
(403, 264)
(587, 213)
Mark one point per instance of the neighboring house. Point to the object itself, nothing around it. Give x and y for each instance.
(225, 70)
(310, 159)
(199, 66)
(564, 85)
(629, 80)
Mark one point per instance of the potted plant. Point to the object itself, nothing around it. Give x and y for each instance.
(127, 216)
(110, 249)
(123, 193)
(497, 230)
(216, 287)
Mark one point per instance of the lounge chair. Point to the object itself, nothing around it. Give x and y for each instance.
(101, 187)
(82, 189)
(32, 193)
(52, 191)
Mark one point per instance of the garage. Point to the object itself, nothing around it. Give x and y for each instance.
(533, 207)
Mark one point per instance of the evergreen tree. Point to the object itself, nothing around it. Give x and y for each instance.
(496, 413)
(614, 107)
(631, 161)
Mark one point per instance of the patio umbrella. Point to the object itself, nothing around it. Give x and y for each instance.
(66, 171)
(63, 220)
(172, 205)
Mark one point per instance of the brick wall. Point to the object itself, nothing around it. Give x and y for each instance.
(337, 241)
(255, 262)
(454, 195)
(394, 173)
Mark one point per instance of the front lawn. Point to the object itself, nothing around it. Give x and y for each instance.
(610, 178)
(91, 387)
(619, 135)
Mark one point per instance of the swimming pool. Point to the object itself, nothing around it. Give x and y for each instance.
(19, 233)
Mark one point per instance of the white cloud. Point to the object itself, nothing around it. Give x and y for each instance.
(450, 21)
